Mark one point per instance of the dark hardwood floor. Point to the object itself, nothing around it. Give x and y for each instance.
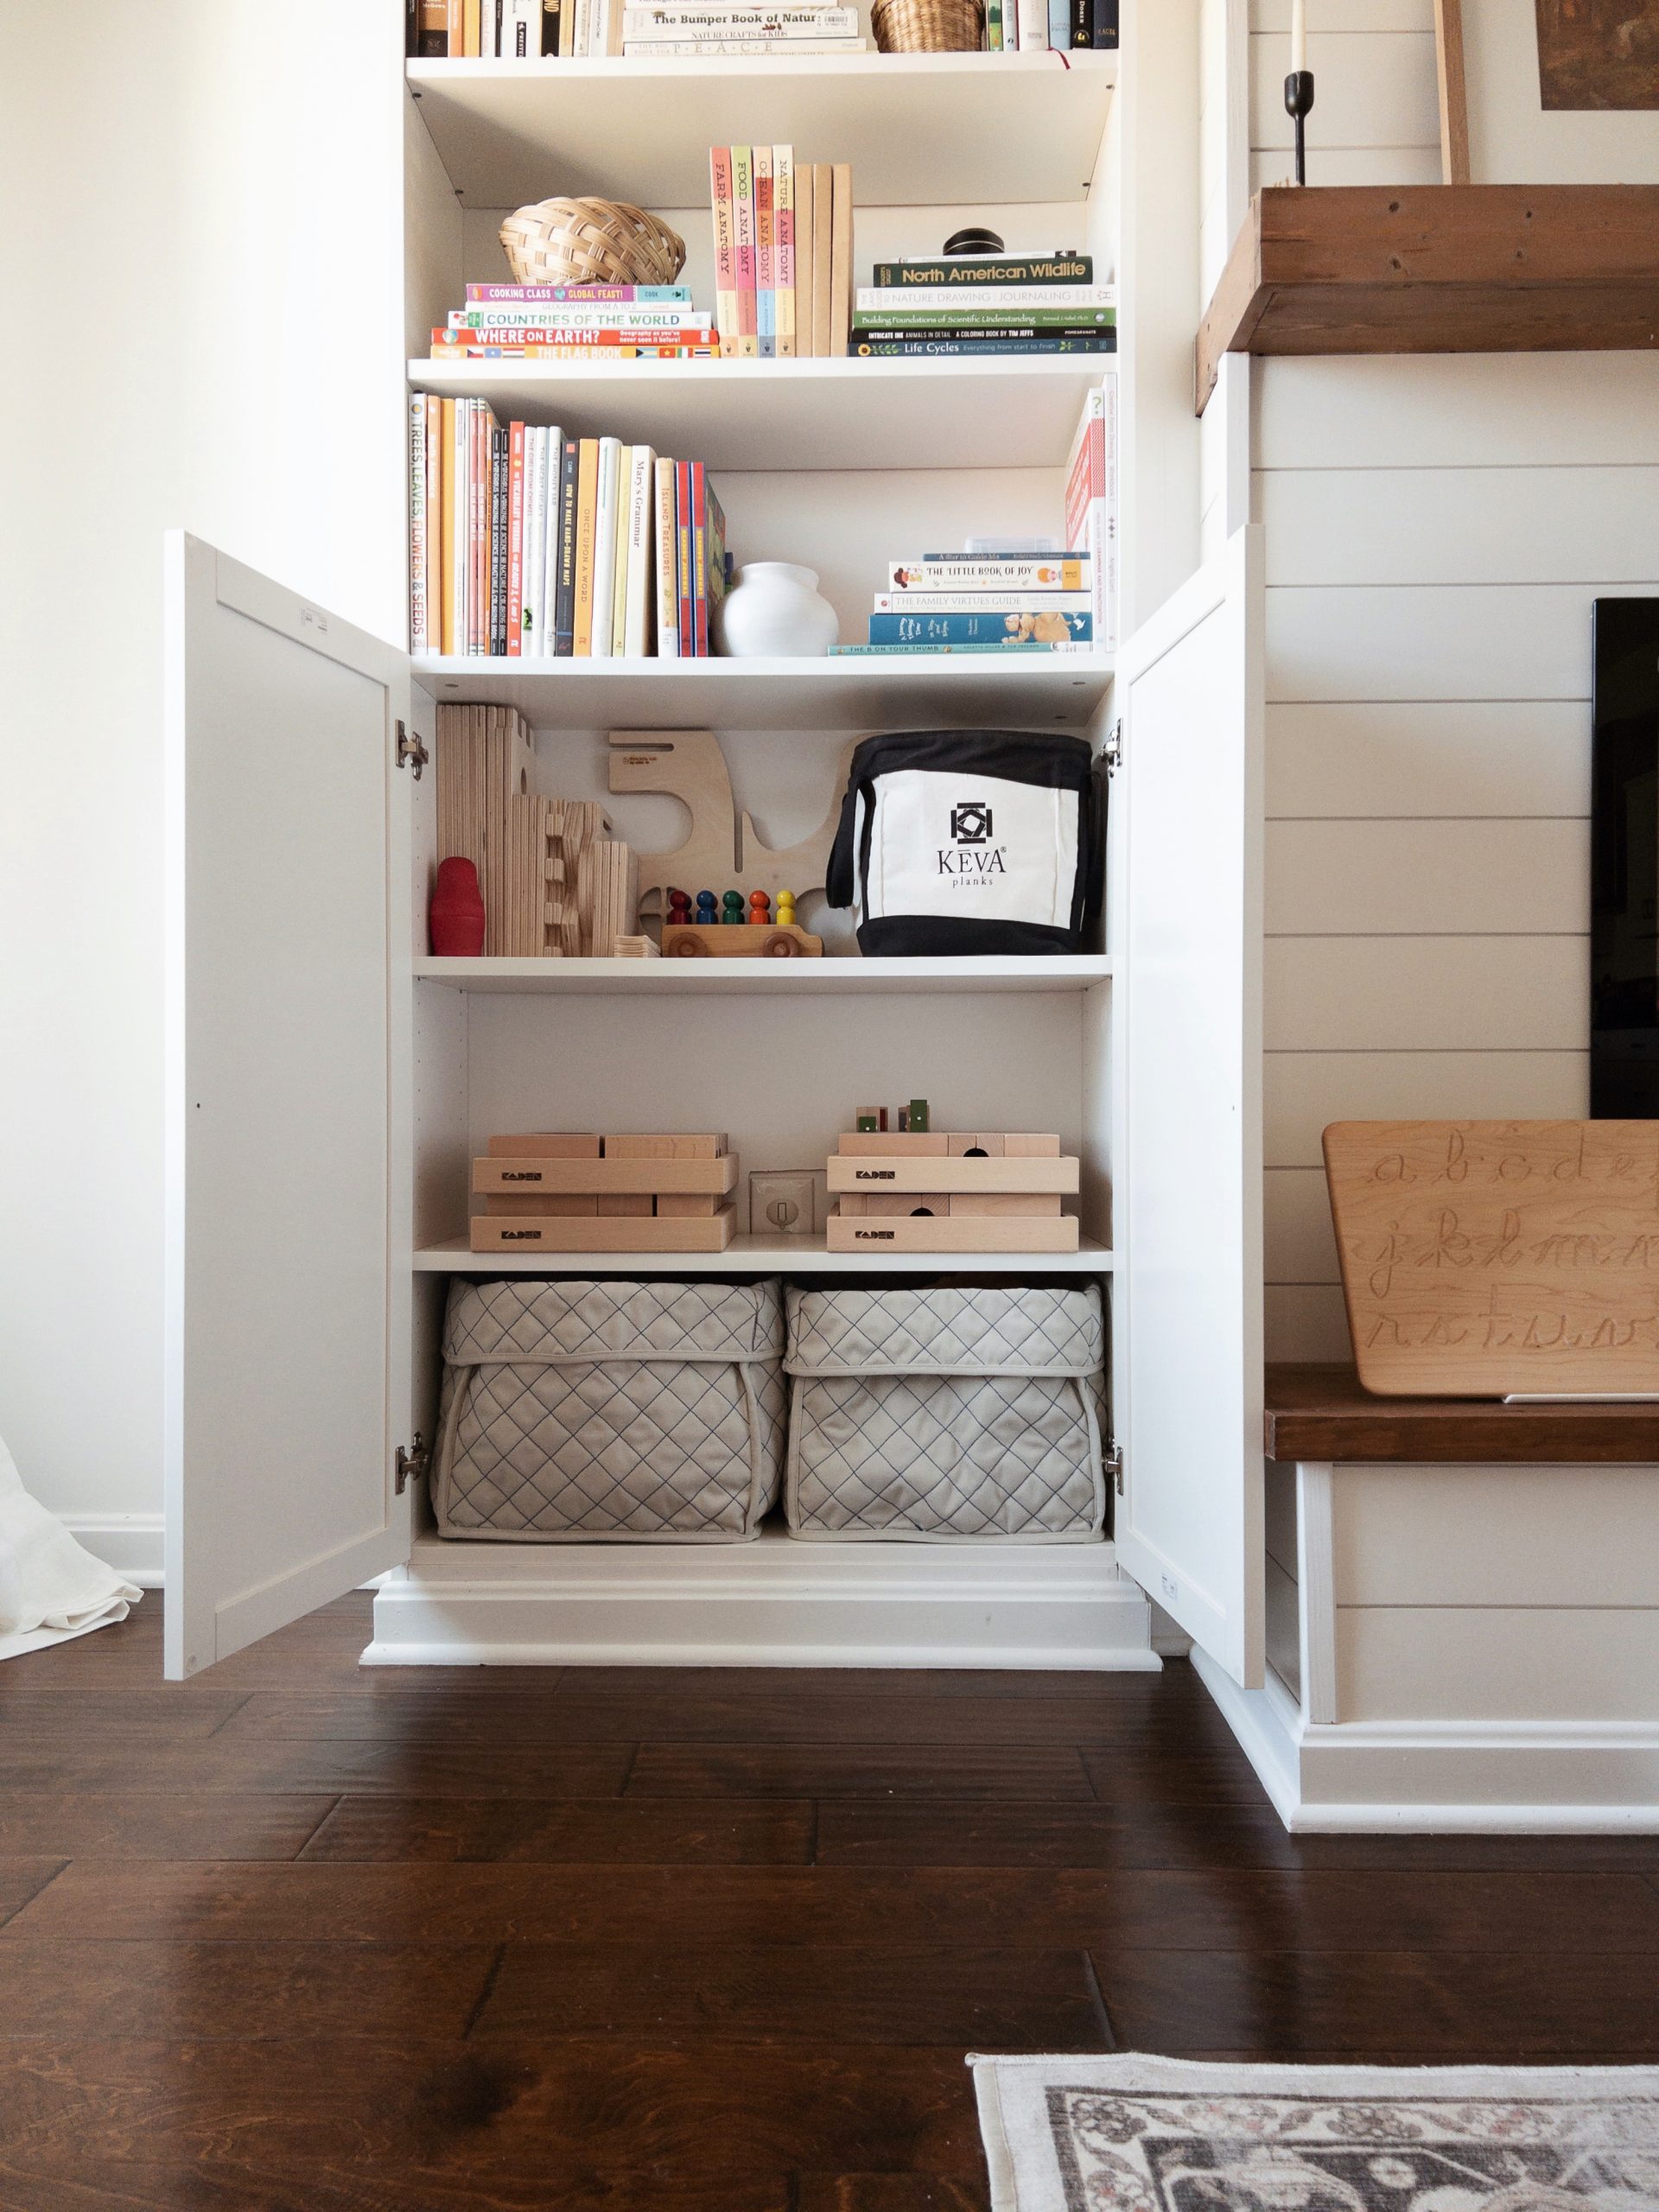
(300, 1937)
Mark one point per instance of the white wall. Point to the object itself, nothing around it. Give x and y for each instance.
(202, 202)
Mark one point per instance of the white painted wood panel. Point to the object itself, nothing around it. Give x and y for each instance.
(1372, 89)
(1281, 1510)
(1352, 165)
(1303, 1092)
(1427, 879)
(1284, 1628)
(1425, 641)
(1298, 1241)
(1500, 993)
(1306, 1321)
(1493, 1536)
(1523, 1663)
(1459, 526)
(1346, 16)
(1411, 761)
(1453, 411)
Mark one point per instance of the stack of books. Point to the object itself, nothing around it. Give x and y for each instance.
(985, 303)
(485, 30)
(1032, 26)
(528, 541)
(783, 252)
(675, 28)
(576, 323)
(984, 602)
(1091, 505)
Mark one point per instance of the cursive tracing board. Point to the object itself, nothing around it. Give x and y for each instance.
(1480, 1258)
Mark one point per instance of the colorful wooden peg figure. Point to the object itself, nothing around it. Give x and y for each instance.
(732, 907)
(760, 909)
(679, 906)
(707, 909)
(785, 910)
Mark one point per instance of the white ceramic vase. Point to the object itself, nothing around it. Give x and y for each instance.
(773, 609)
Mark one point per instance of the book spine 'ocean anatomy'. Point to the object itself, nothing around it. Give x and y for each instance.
(668, 570)
(783, 169)
(994, 626)
(1056, 572)
(985, 299)
(1101, 341)
(765, 256)
(417, 524)
(1000, 601)
(970, 272)
(719, 184)
(743, 231)
(538, 296)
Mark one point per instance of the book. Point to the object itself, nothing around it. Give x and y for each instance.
(743, 233)
(513, 637)
(542, 295)
(527, 631)
(609, 352)
(971, 272)
(720, 189)
(557, 445)
(995, 625)
(1082, 27)
(1059, 25)
(622, 316)
(432, 29)
(454, 28)
(993, 41)
(673, 20)
(803, 179)
(1067, 571)
(782, 167)
(962, 649)
(606, 499)
(978, 602)
(1100, 341)
(564, 603)
(1103, 24)
(914, 314)
(683, 595)
(977, 299)
(1091, 502)
(713, 556)
(765, 256)
(417, 612)
(586, 508)
(841, 279)
(822, 259)
(436, 547)
(470, 46)
(520, 32)
(447, 442)
(1034, 25)
(637, 609)
(482, 480)
(712, 49)
(500, 538)
(1038, 333)
(667, 562)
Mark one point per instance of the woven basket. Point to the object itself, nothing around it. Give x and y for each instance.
(928, 26)
(591, 242)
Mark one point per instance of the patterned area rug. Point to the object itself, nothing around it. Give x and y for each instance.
(1139, 2134)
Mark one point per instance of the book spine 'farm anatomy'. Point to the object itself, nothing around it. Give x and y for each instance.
(720, 183)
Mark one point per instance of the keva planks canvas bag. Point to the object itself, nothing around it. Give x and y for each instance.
(963, 841)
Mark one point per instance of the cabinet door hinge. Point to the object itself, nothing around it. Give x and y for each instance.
(412, 1462)
(1112, 1461)
(411, 753)
(1112, 751)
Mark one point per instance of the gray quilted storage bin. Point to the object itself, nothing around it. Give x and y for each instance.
(945, 1415)
(642, 1412)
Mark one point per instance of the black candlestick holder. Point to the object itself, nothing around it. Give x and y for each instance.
(1299, 101)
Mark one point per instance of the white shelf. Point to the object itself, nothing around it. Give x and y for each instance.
(831, 977)
(867, 414)
(922, 129)
(966, 691)
(744, 1256)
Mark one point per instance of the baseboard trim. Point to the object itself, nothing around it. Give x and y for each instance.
(132, 1543)
(1265, 1732)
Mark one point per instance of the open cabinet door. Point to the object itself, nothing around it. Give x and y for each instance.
(288, 1343)
(1187, 911)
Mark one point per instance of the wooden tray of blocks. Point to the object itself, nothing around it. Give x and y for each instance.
(569, 1192)
(951, 1191)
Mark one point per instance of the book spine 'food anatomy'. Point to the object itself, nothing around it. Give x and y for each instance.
(744, 232)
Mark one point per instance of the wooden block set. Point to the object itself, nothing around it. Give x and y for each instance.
(555, 882)
(951, 1191)
(565, 1191)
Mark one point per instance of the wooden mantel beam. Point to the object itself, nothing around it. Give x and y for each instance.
(1437, 269)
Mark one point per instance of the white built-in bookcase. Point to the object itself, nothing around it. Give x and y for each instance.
(1139, 1052)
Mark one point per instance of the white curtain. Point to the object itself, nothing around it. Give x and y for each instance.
(51, 1588)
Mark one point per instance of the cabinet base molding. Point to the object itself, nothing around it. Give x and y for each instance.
(772, 1603)
(1478, 1777)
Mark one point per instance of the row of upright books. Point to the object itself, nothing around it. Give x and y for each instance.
(1035, 26)
(576, 323)
(1039, 596)
(783, 252)
(985, 304)
(535, 30)
(527, 542)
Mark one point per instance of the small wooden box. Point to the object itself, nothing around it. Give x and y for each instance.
(894, 1171)
(607, 1178)
(854, 1144)
(555, 1144)
(1020, 1203)
(952, 1233)
(689, 1145)
(599, 1233)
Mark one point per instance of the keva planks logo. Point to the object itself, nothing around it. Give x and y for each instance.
(971, 856)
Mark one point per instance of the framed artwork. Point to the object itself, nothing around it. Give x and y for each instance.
(1624, 862)
(1599, 54)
